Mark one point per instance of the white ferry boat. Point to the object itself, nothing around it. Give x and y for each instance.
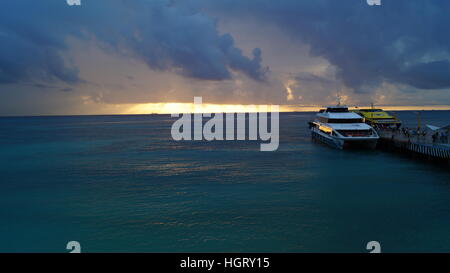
(342, 129)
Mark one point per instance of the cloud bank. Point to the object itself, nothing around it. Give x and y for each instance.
(401, 41)
(169, 37)
(103, 53)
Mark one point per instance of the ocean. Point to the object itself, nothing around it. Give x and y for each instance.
(121, 184)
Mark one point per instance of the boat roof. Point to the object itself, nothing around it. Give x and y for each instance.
(349, 126)
(373, 114)
(342, 115)
(337, 106)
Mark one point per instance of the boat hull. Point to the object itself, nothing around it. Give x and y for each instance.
(339, 143)
(361, 144)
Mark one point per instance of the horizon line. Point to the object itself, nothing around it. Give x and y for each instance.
(283, 109)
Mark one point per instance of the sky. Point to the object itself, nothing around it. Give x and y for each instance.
(154, 56)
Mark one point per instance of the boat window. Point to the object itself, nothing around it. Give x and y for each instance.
(337, 110)
(347, 120)
(355, 133)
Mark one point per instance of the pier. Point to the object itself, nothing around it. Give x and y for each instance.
(427, 145)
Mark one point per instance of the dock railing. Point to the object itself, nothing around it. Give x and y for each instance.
(416, 136)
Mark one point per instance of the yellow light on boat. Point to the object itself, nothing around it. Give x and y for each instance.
(325, 129)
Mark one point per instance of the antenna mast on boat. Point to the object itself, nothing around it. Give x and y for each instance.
(338, 94)
(339, 99)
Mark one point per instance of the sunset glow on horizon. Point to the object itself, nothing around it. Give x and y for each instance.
(172, 108)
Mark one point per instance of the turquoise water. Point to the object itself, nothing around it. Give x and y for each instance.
(120, 183)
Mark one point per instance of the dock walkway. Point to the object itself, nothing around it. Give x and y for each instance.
(419, 144)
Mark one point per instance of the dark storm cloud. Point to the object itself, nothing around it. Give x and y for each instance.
(431, 75)
(23, 58)
(308, 77)
(401, 41)
(33, 37)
